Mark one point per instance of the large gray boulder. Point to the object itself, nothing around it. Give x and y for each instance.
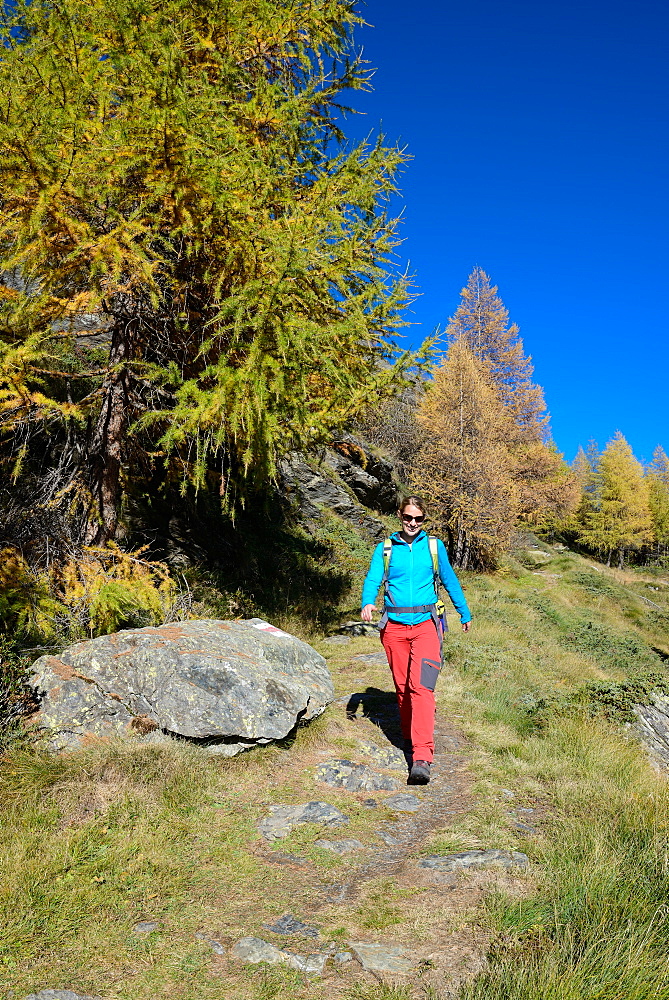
(229, 685)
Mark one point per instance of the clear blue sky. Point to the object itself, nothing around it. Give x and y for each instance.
(539, 139)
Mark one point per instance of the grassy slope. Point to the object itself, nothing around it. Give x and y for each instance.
(93, 842)
(597, 925)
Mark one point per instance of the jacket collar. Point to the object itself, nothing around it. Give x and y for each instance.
(396, 537)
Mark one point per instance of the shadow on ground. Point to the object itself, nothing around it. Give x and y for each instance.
(380, 707)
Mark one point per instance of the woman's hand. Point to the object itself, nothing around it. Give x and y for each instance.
(366, 613)
(466, 626)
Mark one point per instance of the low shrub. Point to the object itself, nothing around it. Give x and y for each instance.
(16, 697)
(103, 590)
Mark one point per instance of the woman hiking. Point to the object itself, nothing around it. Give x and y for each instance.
(408, 564)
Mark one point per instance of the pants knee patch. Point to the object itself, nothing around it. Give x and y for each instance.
(429, 672)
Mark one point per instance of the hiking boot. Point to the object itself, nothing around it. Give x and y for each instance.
(420, 773)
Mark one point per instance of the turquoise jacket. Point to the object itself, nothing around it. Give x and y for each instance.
(411, 578)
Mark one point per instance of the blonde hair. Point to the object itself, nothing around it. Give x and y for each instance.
(413, 502)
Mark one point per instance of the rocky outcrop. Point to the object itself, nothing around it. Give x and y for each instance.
(652, 725)
(348, 479)
(367, 474)
(226, 684)
(314, 490)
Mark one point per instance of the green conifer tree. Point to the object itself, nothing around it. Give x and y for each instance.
(585, 470)
(174, 175)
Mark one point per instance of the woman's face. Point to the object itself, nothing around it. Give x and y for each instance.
(412, 520)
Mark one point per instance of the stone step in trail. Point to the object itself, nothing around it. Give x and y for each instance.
(431, 808)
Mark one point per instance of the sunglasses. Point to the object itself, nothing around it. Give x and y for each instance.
(418, 520)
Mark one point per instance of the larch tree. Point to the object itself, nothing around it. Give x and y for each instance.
(482, 321)
(585, 471)
(512, 472)
(464, 467)
(585, 467)
(175, 177)
(619, 516)
(657, 476)
(547, 490)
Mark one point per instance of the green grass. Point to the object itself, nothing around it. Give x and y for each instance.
(94, 841)
(379, 908)
(596, 926)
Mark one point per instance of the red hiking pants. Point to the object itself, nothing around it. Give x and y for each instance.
(414, 656)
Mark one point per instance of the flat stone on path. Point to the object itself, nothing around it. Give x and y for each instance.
(354, 777)
(59, 995)
(145, 927)
(311, 965)
(288, 924)
(525, 827)
(381, 957)
(339, 846)
(282, 819)
(389, 757)
(403, 803)
(373, 659)
(476, 859)
(254, 950)
(388, 838)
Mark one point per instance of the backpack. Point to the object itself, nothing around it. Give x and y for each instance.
(438, 610)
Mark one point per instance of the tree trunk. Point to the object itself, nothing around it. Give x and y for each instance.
(459, 547)
(451, 544)
(105, 451)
